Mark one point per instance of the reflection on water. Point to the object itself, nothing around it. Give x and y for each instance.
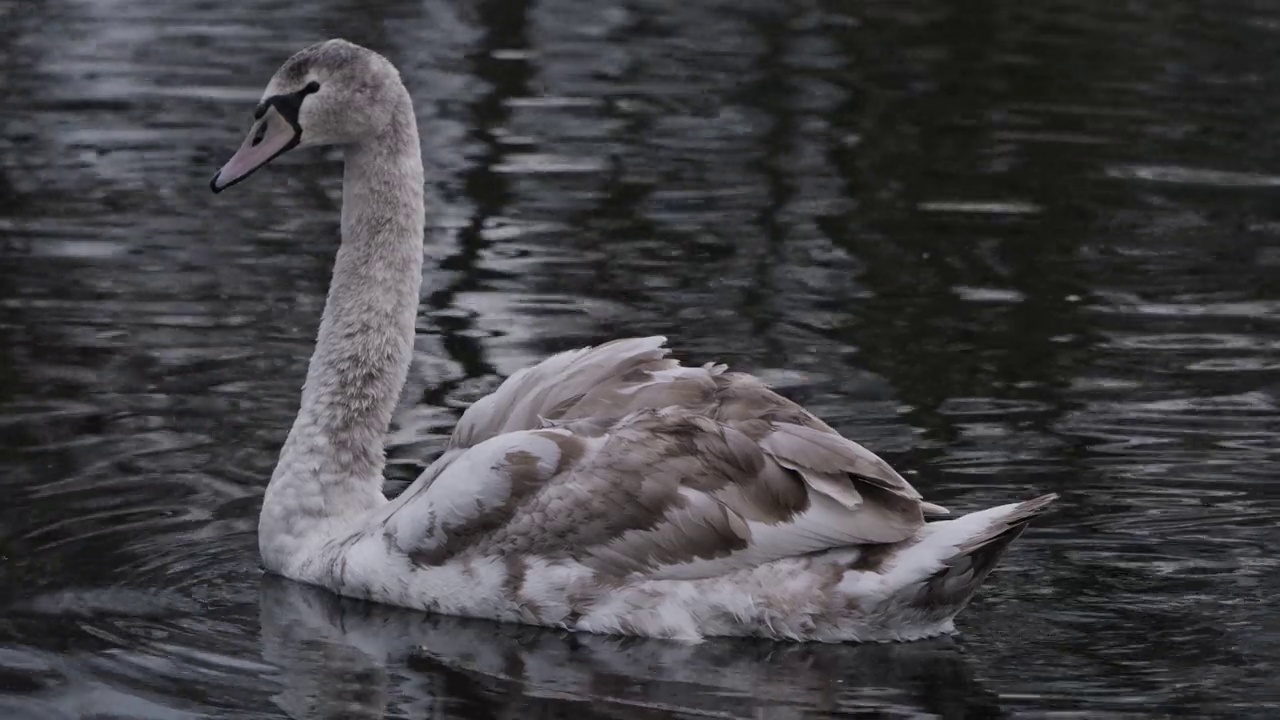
(1014, 249)
(348, 659)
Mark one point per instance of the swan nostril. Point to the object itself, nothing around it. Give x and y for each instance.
(260, 133)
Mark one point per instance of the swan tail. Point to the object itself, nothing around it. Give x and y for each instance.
(938, 574)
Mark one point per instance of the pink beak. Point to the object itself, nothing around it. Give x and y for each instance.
(271, 136)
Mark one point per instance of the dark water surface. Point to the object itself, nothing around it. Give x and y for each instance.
(1014, 247)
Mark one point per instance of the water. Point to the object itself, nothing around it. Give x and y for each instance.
(1013, 249)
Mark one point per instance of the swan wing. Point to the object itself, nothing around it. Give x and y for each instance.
(606, 380)
(701, 472)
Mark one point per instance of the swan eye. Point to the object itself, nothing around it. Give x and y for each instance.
(287, 105)
(290, 104)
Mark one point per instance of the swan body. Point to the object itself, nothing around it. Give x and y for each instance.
(608, 489)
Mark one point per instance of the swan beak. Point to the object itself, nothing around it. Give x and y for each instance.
(271, 136)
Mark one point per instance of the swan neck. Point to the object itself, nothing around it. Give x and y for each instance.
(332, 462)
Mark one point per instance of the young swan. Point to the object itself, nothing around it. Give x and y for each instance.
(607, 489)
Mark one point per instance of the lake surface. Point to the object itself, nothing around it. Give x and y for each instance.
(1014, 248)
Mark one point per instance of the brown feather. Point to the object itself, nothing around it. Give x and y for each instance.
(661, 465)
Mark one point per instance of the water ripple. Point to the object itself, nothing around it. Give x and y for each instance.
(1013, 250)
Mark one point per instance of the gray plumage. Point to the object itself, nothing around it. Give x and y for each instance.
(608, 489)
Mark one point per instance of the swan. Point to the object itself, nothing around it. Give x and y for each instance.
(608, 489)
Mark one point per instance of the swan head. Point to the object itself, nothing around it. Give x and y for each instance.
(331, 93)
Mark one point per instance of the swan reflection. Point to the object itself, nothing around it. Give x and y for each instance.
(343, 658)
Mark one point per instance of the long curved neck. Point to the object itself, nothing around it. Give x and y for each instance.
(331, 464)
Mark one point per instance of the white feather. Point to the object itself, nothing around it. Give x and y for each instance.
(606, 489)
